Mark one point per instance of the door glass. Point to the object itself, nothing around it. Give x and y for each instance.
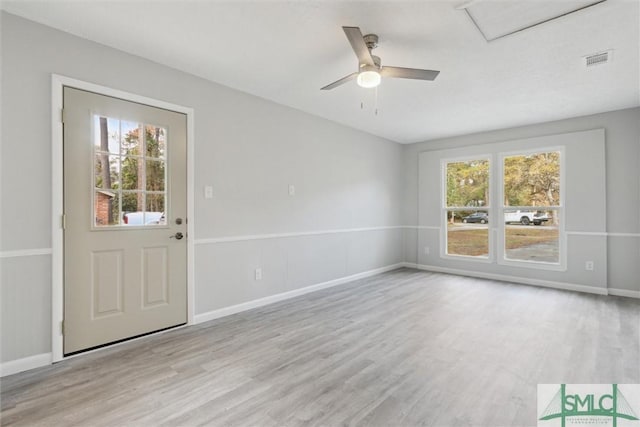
(129, 173)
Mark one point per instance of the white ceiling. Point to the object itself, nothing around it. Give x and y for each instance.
(285, 51)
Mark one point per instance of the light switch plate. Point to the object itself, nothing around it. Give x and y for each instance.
(208, 192)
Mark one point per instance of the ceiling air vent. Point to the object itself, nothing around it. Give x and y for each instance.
(598, 58)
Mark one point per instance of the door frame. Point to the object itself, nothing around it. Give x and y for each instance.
(58, 82)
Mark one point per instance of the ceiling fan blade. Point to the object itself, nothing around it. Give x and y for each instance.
(359, 46)
(409, 73)
(340, 82)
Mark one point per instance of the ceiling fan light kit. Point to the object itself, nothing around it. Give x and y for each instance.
(369, 78)
(370, 70)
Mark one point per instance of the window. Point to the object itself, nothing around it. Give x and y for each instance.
(526, 217)
(129, 173)
(532, 207)
(466, 207)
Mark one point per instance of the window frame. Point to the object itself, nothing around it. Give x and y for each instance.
(444, 209)
(561, 265)
(141, 157)
(495, 210)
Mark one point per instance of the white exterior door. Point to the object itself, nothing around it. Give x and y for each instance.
(125, 205)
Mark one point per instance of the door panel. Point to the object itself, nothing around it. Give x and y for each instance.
(124, 187)
(155, 273)
(107, 282)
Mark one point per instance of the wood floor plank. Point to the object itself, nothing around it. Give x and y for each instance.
(403, 348)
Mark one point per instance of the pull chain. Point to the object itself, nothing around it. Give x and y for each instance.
(376, 101)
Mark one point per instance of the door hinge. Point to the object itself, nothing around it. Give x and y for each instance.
(62, 327)
(62, 115)
(64, 221)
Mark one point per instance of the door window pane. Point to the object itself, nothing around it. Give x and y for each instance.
(106, 135)
(131, 173)
(131, 138)
(106, 208)
(155, 142)
(133, 201)
(155, 175)
(155, 202)
(106, 171)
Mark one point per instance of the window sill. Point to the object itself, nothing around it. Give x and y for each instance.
(484, 260)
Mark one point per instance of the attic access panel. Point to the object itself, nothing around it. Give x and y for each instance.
(496, 19)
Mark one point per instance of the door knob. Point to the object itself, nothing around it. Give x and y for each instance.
(178, 236)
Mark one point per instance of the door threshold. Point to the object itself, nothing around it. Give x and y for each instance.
(117, 343)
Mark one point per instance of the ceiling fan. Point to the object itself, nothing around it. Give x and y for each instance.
(370, 70)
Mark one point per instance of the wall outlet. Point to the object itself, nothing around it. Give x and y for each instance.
(426, 250)
(588, 265)
(292, 190)
(258, 273)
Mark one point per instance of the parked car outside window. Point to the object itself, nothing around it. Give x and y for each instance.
(143, 218)
(480, 217)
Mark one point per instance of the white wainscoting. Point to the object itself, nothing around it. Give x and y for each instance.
(226, 311)
(25, 252)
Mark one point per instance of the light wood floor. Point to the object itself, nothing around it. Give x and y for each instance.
(403, 348)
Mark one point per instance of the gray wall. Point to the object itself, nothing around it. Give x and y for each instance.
(247, 148)
(622, 164)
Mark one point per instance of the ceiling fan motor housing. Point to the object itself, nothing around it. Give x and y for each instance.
(371, 40)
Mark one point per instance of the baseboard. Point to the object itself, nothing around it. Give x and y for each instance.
(227, 311)
(24, 364)
(515, 279)
(624, 293)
